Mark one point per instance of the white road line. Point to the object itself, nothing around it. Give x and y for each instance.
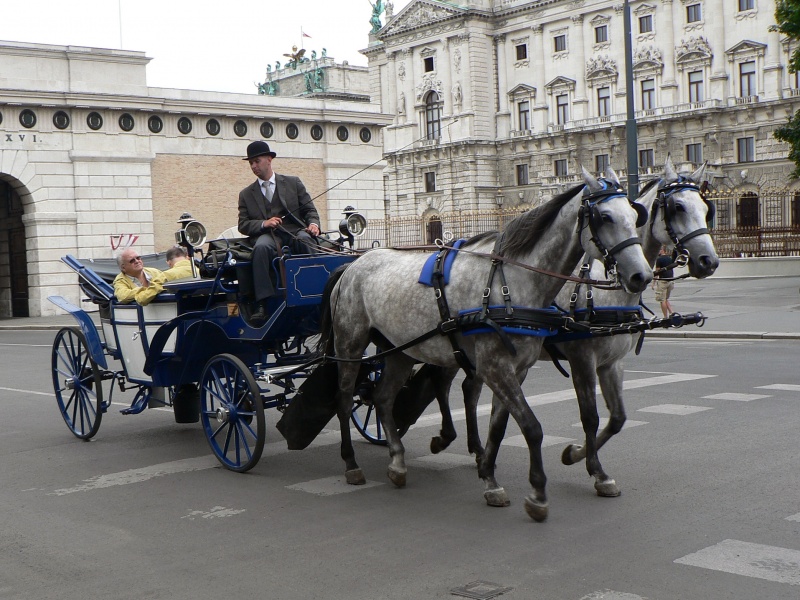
(781, 565)
(674, 409)
(442, 461)
(547, 440)
(736, 397)
(794, 517)
(786, 387)
(604, 421)
(8, 389)
(612, 595)
(29, 345)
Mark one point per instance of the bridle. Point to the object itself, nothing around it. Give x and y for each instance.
(589, 213)
(666, 203)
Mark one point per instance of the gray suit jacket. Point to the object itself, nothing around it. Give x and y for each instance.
(300, 210)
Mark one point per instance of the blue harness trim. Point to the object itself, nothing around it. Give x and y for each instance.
(426, 275)
(517, 329)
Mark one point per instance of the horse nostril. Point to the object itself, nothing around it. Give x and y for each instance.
(707, 262)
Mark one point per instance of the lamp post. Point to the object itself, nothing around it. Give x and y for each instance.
(631, 142)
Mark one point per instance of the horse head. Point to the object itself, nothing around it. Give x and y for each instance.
(607, 224)
(680, 216)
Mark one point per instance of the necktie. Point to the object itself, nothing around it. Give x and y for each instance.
(268, 191)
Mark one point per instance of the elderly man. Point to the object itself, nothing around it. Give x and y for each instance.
(274, 211)
(136, 282)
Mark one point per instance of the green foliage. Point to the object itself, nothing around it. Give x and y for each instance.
(787, 17)
(790, 133)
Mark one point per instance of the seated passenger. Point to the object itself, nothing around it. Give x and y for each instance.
(137, 282)
(179, 264)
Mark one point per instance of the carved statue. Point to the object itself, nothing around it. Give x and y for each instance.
(319, 76)
(401, 71)
(296, 57)
(269, 69)
(401, 104)
(389, 10)
(277, 65)
(324, 52)
(457, 94)
(375, 19)
(313, 55)
(308, 79)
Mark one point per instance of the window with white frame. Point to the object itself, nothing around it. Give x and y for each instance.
(433, 116)
(746, 149)
(562, 108)
(522, 174)
(524, 115)
(601, 34)
(601, 164)
(694, 153)
(428, 64)
(696, 86)
(646, 24)
(747, 79)
(647, 158)
(648, 94)
(604, 102)
(560, 167)
(560, 43)
(694, 13)
(746, 5)
(522, 51)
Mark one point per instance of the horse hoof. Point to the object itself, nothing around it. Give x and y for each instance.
(496, 497)
(566, 456)
(607, 488)
(355, 477)
(438, 444)
(536, 510)
(397, 477)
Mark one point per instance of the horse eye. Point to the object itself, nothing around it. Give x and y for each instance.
(680, 207)
(607, 218)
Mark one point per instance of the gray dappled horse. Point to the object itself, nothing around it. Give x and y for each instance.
(678, 220)
(380, 292)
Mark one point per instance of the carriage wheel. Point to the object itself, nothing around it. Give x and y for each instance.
(232, 412)
(364, 416)
(77, 383)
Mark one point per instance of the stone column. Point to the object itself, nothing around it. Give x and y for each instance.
(580, 103)
(771, 88)
(721, 85)
(503, 117)
(539, 116)
(666, 27)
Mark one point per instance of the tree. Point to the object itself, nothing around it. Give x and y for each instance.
(787, 16)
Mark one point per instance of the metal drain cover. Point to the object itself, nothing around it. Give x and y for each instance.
(480, 590)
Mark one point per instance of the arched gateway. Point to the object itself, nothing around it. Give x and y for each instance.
(13, 254)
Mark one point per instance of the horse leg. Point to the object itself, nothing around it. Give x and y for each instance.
(611, 379)
(471, 389)
(397, 369)
(442, 380)
(493, 493)
(348, 373)
(585, 382)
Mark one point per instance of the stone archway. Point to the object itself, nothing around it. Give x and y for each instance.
(14, 294)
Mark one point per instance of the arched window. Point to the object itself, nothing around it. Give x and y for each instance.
(748, 210)
(433, 116)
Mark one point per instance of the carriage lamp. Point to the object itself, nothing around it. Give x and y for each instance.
(191, 234)
(353, 225)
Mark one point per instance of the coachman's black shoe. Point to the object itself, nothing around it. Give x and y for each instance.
(260, 314)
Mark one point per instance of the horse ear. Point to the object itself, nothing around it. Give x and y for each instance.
(590, 180)
(670, 174)
(648, 198)
(613, 177)
(698, 175)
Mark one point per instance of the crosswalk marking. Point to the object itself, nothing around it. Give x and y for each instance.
(794, 517)
(331, 486)
(611, 595)
(548, 440)
(604, 421)
(736, 397)
(674, 409)
(786, 387)
(442, 461)
(772, 563)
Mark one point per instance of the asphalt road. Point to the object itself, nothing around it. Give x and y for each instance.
(710, 504)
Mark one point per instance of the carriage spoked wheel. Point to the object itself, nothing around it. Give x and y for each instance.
(232, 412)
(364, 416)
(77, 383)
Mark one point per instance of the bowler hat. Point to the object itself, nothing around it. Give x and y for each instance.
(258, 149)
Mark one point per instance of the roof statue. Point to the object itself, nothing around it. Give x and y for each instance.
(375, 19)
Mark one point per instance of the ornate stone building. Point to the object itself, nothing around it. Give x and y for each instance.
(92, 159)
(499, 102)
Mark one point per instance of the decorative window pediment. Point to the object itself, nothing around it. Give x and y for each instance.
(522, 92)
(601, 70)
(600, 20)
(560, 85)
(427, 51)
(746, 49)
(429, 84)
(647, 61)
(695, 51)
(644, 9)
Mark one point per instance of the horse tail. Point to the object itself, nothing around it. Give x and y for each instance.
(325, 344)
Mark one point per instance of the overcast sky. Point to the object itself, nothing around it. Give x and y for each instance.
(198, 44)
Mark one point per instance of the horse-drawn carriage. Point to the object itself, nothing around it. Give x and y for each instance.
(194, 347)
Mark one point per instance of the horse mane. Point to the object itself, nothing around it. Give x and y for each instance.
(521, 234)
(648, 185)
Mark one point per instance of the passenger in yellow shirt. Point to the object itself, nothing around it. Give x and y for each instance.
(137, 282)
(179, 264)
